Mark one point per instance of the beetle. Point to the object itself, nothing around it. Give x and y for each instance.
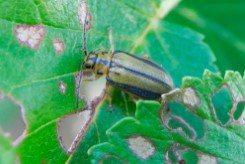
(132, 74)
(138, 76)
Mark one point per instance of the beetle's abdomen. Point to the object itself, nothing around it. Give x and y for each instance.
(138, 76)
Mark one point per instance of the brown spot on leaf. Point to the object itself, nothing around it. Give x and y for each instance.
(204, 158)
(84, 16)
(58, 45)
(62, 87)
(190, 97)
(29, 35)
(141, 146)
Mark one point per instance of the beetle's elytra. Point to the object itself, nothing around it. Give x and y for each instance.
(135, 75)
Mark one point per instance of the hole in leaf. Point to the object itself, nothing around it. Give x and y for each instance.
(175, 154)
(91, 92)
(92, 89)
(11, 119)
(181, 120)
(222, 102)
(178, 125)
(71, 129)
(190, 156)
(239, 110)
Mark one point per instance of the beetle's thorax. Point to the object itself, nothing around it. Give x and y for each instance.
(98, 63)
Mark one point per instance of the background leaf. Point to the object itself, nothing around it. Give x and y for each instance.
(31, 76)
(222, 24)
(184, 129)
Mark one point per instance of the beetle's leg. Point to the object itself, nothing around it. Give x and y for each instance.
(111, 40)
(108, 96)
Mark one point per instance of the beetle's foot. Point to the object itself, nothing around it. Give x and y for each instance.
(108, 98)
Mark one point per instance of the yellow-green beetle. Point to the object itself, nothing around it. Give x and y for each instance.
(135, 75)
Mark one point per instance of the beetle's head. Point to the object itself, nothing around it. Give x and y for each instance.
(96, 64)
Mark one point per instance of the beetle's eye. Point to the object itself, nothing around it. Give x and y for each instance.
(100, 72)
(87, 65)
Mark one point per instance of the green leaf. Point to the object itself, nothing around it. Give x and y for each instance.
(191, 127)
(32, 72)
(225, 36)
(7, 151)
(105, 117)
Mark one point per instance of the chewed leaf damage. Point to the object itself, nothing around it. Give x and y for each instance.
(72, 128)
(141, 146)
(12, 119)
(58, 45)
(30, 35)
(84, 16)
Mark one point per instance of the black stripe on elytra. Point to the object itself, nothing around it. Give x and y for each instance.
(145, 94)
(137, 73)
(141, 59)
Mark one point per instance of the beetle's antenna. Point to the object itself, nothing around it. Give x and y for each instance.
(111, 40)
(84, 49)
(78, 87)
(84, 35)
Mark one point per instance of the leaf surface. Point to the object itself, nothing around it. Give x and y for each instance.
(32, 71)
(189, 132)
